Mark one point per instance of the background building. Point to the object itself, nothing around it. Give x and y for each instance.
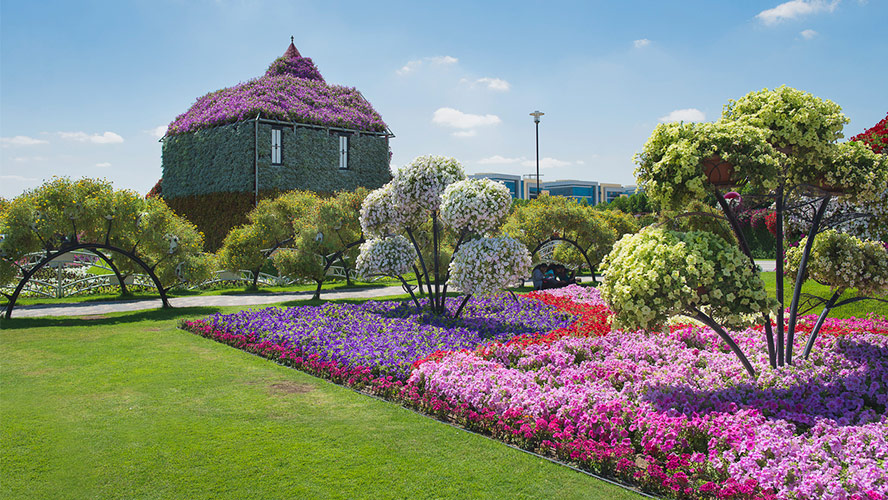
(591, 192)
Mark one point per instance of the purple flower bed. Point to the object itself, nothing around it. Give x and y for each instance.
(388, 337)
(676, 412)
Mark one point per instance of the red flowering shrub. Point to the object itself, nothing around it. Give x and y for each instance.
(771, 223)
(876, 137)
(156, 191)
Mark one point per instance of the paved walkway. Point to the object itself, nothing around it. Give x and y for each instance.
(768, 266)
(247, 299)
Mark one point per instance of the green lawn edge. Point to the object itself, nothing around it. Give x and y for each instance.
(128, 406)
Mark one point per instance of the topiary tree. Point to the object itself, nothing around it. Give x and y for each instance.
(329, 235)
(64, 215)
(272, 224)
(780, 143)
(865, 219)
(841, 261)
(433, 190)
(659, 273)
(588, 234)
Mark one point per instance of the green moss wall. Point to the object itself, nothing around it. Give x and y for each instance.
(207, 161)
(310, 161)
(221, 160)
(208, 174)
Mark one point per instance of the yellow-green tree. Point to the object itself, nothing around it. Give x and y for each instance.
(781, 144)
(587, 234)
(273, 223)
(139, 235)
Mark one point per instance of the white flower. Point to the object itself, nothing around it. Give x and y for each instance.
(392, 256)
(487, 265)
(477, 205)
(418, 186)
(379, 215)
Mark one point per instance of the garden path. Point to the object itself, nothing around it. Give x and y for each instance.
(98, 308)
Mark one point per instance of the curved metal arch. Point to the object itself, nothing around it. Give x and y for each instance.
(566, 240)
(85, 246)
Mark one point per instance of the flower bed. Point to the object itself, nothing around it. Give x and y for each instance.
(387, 337)
(673, 413)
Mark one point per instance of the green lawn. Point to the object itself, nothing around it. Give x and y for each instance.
(127, 406)
(856, 309)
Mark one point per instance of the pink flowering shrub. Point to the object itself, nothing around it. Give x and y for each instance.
(579, 294)
(680, 401)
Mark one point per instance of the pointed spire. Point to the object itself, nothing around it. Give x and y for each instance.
(292, 63)
(291, 52)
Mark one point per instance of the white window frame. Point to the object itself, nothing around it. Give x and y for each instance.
(276, 146)
(343, 152)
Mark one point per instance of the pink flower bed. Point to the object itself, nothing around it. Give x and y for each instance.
(579, 294)
(676, 413)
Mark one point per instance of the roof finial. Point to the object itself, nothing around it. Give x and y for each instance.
(291, 38)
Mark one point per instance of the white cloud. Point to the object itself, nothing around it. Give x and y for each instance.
(415, 64)
(808, 34)
(499, 160)
(464, 133)
(684, 115)
(21, 140)
(28, 159)
(644, 42)
(18, 178)
(455, 118)
(580, 162)
(104, 164)
(106, 138)
(496, 84)
(794, 9)
(546, 163)
(158, 131)
(442, 60)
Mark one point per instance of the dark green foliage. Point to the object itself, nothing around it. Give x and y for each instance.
(637, 203)
(215, 214)
(209, 161)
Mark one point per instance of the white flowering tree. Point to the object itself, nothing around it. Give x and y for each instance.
(779, 143)
(433, 191)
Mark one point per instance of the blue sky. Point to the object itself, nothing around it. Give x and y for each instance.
(85, 86)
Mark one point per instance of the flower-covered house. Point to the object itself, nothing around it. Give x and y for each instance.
(288, 129)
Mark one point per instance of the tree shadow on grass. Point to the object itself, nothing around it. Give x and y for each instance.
(802, 403)
(99, 320)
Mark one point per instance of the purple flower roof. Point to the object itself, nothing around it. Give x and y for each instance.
(291, 90)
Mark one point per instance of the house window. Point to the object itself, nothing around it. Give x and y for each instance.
(343, 152)
(276, 146)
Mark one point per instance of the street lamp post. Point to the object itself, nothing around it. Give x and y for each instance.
(536, 120)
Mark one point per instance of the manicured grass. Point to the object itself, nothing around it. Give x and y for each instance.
(129, 406)
(857, 309)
